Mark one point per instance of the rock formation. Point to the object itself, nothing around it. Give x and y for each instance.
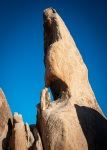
(23, 136)
(37, 143)
(30, 137)
(74, 121)
(5, 122)
(14, 134)
(18, 139)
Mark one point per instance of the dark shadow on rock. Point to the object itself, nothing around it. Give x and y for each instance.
(94, 127)
(5, 142)
(57, 86)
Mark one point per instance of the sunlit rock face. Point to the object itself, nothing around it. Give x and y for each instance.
(18, 139)
(74, 121)
(14, 133)
(65, 69)
(24, 137)
(5, 122)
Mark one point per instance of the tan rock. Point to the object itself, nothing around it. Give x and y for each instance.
(5, 122)
(74, 121)
(45, 99)
(30, 137)
(38, 143)
(18, 139)
(65, 69)
(17, 118)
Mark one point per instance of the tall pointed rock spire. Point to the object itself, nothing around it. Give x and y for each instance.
(74, 121)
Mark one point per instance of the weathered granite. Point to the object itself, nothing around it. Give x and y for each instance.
(18, 139)
(37, 145)
(74, 121)
(5, 122)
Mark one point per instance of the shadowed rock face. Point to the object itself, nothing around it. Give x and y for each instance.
(94, 127)
(71, 121)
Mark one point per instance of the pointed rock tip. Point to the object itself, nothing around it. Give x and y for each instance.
(17, 118)
(15, 113)
(1, 91)
(50, 9)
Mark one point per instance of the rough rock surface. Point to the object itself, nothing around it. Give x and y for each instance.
(74, 121)
(14, 134)
(5, 122)
(37, 145)
(18, 139)
(30, 137)
(33, 138)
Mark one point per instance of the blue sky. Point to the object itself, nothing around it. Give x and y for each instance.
(21, 48)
